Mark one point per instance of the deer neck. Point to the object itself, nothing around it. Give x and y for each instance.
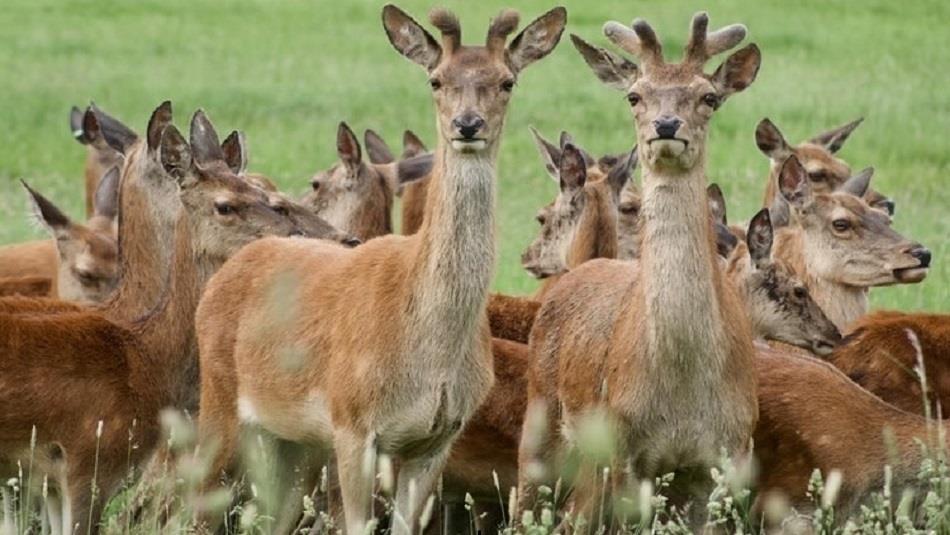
(680, 281)
(596, 235)
(455, 259)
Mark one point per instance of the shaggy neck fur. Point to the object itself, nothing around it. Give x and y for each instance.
(680, 279)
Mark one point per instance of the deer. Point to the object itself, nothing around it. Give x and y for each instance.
(840, 246)
(118, 371)
(100, 156)
(357, 197)
(826, 172)
(413, 193)
(360, 385)
(625, 327)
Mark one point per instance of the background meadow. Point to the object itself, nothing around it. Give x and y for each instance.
(286, 72)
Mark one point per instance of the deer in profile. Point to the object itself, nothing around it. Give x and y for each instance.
(357, 197)
(377, 378)
(673, 327)
(100, 156)
(117, 370)
(840, 246)
(826, 172)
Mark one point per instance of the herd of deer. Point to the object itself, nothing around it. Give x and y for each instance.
(197, 285)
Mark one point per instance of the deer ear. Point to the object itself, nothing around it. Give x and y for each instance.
(760, 238)
(175, 154)
(726, 241)
(106, 200)
(621, 171)
(412, 145)
(770, 140)
(793, 183)
(834, 139)
(538, 39)
(376, 148)
(858, 184)
(410, 39)
(572, 168)
(47, 213)
(717, 203)
(779, 212)
(116, 134)
(738, 71)
(234, 148)
(398, 174)
(550, 153)
(161, 117)
(611, 69)
(75, 125)
(205, 147)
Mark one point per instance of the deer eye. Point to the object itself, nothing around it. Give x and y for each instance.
(224, 208)
(507, 86)
(435, 84)
(540, 218)
(628, 208)
(841, 225)
(281, 210)
(86, 278)
(800, 292)
(315, 185)
(818, 176)
(633, 98)
(711, 100)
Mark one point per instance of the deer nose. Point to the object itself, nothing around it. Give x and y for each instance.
(468, 125)
(667, 126)
(923, 254)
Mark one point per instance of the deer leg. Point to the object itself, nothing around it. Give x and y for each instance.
(297, 474)
(537, 453)
(416, 481)
(356, 466)
(54, 511)
(218, 434)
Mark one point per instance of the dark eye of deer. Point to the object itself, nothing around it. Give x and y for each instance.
(633, 99)
(841, 225)
(86, 278)
(801, 292)
(711, 100)
(223, 208)
(315, 185)
(435, 84)
(627, 208)
(541, 219)
(818, 176)
(507, 86)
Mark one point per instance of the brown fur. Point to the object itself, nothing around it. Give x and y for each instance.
(414, 193)
(100, 157)
(511, 317)
(25, 286)
(371, 328)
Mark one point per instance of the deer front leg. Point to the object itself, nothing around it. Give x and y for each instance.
(356, 465)
(416, 481)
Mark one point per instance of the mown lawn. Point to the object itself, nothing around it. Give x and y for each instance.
(287, 72)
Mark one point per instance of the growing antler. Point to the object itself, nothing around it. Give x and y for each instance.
(641, 41)
(703, 45)
(448, 24)
(500, 28)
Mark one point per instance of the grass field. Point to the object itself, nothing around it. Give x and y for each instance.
(287, 72)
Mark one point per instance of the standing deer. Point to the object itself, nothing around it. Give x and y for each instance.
(629, 340)
(100, 157)
(840, 246)
(117, 371)
(826, 172)
(357, 197)
(390, 341)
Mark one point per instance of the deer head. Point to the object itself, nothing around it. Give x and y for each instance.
(672, 103)
(779, 303)
(845, 240)
(472, 85)
(826, 172)
(88, 254)
(102, 156)
(355, 196)
(224, 211)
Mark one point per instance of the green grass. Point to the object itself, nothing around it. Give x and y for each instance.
(287, 72)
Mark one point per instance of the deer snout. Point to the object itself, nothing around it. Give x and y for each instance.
(922, 254)
(667, 126)
(468, 125)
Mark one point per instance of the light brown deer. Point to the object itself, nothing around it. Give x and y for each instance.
(627, 340)
(405, 360)
(120, 371)
(826, 172)
(357, 197)
(840, 247)
(100, 157)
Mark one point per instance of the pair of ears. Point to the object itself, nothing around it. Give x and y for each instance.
(415, 164)
(772, 143)
(105, 204)
(795, 189)
(759, 236)
(568, 164)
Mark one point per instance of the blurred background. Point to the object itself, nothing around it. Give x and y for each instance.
(286, 73)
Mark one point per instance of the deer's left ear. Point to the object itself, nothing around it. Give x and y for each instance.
(410, 39)
(738, 71)
(538, 39)
(47, 213)
(398, 174)
(760, 238)
(235, 152)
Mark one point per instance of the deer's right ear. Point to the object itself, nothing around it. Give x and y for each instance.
(717, 203)
(414, 168)
(759, 238)
(779, 212)
(376, 148)
(621, 171)
(834, 139)
(550, 154)
(116, 134)
(611, 69)
(858, 184)
(348, 148)
(410, 39)
(106, 201)
(572, 168)
(47, 213)
(75, 125)
(770, 140)
(235, 152)
(175, 154)
(412, 145)
(161, 117)
(793, 182)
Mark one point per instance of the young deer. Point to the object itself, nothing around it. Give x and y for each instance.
(673, 328)
(357, 197)
(100, 157)
(840, 246)
(120, 371)
(377, 325)
(826, 172)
